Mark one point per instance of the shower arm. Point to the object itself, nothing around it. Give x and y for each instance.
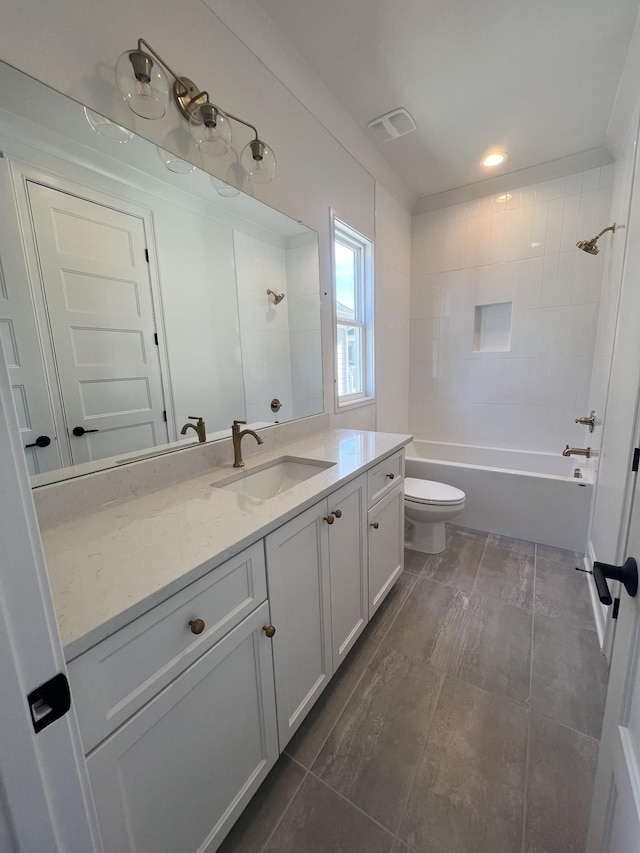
(604, 231)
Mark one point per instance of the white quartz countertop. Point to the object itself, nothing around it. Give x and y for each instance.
(110, 566)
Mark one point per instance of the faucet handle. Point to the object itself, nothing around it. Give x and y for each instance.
(194, 418)
(236, 423)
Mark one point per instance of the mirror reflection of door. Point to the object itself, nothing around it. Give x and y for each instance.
(95, 276)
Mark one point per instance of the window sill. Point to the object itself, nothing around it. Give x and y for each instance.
(354, 404)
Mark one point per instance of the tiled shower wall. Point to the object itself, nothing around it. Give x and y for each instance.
(516, 247)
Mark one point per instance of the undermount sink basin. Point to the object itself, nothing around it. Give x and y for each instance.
(273, 478)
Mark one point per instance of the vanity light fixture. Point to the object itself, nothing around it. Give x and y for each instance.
(495, 158)
(143, 83)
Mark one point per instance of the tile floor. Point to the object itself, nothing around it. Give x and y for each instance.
(465, 719)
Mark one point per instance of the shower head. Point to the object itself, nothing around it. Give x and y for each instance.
(590, 246)
(277, 297)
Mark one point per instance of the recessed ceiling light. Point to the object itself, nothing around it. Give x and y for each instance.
(495, 158)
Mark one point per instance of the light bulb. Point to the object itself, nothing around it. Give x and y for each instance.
(211, 130)
(258, 161)
(143, 84)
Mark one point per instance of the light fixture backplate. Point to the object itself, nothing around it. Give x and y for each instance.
(185, 93)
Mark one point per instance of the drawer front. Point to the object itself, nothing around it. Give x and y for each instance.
(385, 476)
(118, 676)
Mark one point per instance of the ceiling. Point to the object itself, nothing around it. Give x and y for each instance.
(536, 79)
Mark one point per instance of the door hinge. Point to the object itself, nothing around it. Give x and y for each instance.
(636, 459)
(146, 255)
(49, 702)
(616, 608)
(164, 415)
(155, 339)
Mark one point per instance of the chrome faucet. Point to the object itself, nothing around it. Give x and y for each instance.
(199, 427)
(237, 437)
(577, 451)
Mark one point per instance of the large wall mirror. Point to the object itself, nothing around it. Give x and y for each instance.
(136, 291)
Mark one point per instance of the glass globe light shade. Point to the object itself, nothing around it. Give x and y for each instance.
(223, 189)
(107, 128)
(258, 161)
(174, 163)
(211, 129)
(143, 84)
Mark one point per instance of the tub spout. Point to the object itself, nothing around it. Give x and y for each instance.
(577, 451)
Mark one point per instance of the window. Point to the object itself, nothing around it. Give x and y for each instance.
(353, 303)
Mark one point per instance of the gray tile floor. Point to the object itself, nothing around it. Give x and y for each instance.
(465, 719)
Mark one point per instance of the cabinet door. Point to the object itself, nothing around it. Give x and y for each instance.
(348, 566)
(298, 581)
(178, 774)
(386, 546)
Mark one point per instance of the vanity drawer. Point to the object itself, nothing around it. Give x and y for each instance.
(118, 676)
(385, 476)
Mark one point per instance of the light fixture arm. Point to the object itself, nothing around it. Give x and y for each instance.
(159, 58)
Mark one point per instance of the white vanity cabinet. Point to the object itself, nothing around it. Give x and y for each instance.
(184, 710)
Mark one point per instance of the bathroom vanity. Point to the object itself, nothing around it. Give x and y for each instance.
(202, 621)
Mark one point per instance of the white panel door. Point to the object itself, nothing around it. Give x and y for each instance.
(386, 546)
(348, 566)
(615, 812)
(299, 596)
(19, 337)
(97, 290)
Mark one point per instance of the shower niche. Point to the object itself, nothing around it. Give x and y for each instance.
(492, 327)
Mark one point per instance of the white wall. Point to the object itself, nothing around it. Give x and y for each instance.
(614, 385)
(516, 247)
(392, 264)
(304, 325)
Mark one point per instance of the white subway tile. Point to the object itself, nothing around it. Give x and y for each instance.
(459, 243)
(447, 245)
(534, 286)
(484, 240)
(542, 192)
(581, 271)
(497, 237)
(570, 219)
(573, 184)
(557, 188)
(554, 225)
(511, 221)
(587, 221)
(527, 196)
(539, 228)
(590, 180)
(566, 272)
(549, 280)
(525, 226)
(471, 242)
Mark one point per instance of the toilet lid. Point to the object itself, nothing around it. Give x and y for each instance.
(430, 492)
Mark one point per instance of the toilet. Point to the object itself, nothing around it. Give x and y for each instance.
(427, 505)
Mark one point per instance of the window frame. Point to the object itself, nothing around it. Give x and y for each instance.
(363, 247)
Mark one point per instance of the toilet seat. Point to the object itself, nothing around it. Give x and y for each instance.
(431, 492)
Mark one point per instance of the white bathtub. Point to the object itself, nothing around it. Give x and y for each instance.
(528, 495)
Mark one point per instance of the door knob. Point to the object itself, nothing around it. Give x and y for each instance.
(627, 574)
(269, 630)
(41, 441)
(329, 519)
(79, 431)
(375, 525)
(337, 513)
(197, 626)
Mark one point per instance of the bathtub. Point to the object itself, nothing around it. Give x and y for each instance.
(528, 495)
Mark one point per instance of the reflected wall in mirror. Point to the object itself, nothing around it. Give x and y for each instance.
(133, 296)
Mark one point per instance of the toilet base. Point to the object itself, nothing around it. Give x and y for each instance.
(427, 537)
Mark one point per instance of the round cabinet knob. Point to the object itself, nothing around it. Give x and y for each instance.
(197, 626)
(375, 525)
(391, 476)
(329, 519)
(337, 513)
(269, 630)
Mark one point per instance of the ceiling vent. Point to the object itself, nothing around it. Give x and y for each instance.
(392, 125)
